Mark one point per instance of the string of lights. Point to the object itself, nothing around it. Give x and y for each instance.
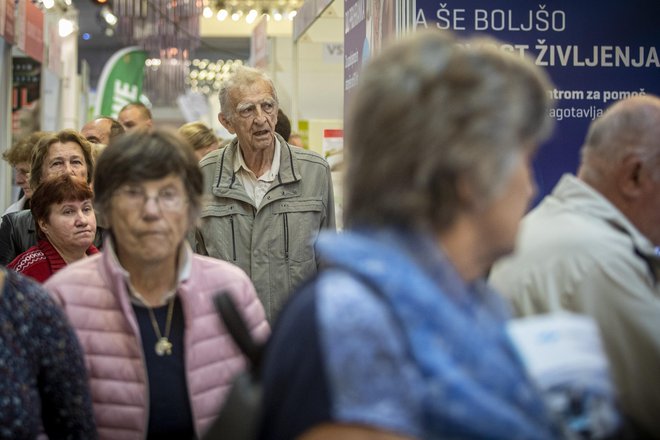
(250, 10)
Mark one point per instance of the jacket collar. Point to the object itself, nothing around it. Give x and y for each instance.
(225, 177)
(583, 198)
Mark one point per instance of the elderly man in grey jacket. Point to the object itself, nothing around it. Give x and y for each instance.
(266, 200)
(589, 248)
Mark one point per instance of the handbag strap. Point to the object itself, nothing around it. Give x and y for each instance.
(238, 330)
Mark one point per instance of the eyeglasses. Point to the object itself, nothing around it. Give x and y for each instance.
(249, 110)
(167, 199)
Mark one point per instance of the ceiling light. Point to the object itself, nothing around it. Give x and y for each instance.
(66, 27)
(207, 12)
(237, 15)
(108, 16)
(222, 14)
(252, 15)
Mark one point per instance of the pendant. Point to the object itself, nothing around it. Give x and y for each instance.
(163, 347)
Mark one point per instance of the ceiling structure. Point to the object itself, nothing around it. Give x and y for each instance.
(95, 46)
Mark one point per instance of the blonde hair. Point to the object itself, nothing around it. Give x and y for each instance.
(198, 135)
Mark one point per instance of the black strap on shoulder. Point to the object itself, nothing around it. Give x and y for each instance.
(240, 414)
(238, 330)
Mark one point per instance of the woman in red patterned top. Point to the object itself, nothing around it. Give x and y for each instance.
(66, 224)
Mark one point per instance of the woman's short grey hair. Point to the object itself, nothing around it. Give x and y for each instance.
(432, 114)
(242, 76)
(140, 156)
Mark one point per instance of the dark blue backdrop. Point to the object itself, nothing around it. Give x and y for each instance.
(562, 37)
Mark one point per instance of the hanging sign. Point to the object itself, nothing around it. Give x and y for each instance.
(121, 81)
(259, 45)
(30, 31)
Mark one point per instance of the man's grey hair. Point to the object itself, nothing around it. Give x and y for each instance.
(242, 76)
(630, 126)
(431, 115)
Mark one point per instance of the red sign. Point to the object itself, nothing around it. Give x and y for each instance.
(34, 32)
(31, 36)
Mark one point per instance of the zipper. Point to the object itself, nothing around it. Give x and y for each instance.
(233, 237)
(286, 236)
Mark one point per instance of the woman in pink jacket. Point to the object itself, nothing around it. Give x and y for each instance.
(160, 362)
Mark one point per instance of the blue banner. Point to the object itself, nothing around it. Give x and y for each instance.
(596, 52)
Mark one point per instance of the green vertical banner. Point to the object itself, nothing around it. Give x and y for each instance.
(120, 81)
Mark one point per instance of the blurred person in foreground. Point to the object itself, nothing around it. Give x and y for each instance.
(135, 116)
(19, 157)
(102, 130)
(66, 224)
(62, 152)
(200, 137)
(43, 382)
(160, 361)
(399, 336)
(589, 247)
(267, 201)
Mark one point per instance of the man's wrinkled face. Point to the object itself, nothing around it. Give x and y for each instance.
(253, 118)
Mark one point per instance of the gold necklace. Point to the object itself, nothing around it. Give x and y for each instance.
(163, 345)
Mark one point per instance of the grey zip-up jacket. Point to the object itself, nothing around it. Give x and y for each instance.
(274, 243)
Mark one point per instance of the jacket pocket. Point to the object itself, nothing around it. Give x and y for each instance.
(219, 230)
(301, 221)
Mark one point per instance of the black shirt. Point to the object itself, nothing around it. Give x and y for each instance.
(170, 416)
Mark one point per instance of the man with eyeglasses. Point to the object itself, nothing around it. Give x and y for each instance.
(266, 200)
(18, 157)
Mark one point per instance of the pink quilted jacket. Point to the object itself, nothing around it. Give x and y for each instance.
(94, 296)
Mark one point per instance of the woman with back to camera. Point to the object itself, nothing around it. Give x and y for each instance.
(43, 384)
(62, 152)
(65, 220)
(398, 336)
(160, 362)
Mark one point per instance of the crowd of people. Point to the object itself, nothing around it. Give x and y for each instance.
(395, 327)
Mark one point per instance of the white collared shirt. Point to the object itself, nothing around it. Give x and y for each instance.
(256, 187)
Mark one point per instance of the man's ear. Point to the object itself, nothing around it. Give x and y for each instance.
(226, 123)
(632, 176)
